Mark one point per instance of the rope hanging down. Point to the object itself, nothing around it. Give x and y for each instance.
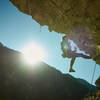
(93, 74)
(90, 92)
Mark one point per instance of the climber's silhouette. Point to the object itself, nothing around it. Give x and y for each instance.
(67, 52)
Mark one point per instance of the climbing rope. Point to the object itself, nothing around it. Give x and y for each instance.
(89, 98)
(40, 28)
(93, 74)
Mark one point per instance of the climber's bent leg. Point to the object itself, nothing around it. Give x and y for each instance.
(85, 56)
(82, 55)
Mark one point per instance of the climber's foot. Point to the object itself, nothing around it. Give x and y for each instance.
(71, 70)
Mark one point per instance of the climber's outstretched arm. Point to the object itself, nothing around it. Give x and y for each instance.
(71, 64)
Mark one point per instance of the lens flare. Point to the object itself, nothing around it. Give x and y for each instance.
(33, 53)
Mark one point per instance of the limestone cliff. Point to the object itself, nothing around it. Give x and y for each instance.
(64, 16)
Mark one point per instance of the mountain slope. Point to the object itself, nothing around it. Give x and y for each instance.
(43, 82)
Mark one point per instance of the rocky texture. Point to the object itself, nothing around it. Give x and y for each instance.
(43, 82)
(65, 16)
(93, 96)
(98, 83)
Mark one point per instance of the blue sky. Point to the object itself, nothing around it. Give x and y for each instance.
(17, 29)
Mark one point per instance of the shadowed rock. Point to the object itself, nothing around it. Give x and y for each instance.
(98, 83)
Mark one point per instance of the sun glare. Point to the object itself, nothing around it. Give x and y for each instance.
(33, 53)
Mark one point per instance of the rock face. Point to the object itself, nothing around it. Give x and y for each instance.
(43, 82)
(93, 96)
(98, 83)
(64, 15)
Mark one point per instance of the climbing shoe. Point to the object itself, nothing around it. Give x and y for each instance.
(71, 70)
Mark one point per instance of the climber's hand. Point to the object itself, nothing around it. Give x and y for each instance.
(63, 55)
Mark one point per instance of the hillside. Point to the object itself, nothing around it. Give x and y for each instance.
(43, 82)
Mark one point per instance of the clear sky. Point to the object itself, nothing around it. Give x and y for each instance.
(17, 29)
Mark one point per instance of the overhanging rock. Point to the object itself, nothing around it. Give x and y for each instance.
(63, 16)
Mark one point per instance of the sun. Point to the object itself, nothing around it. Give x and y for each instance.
(33, 53)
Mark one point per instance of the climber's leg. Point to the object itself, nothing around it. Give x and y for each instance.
(82, 55)
(86, 57)
(71, 65)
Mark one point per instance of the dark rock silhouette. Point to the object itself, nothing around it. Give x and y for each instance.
(92, 96)
(98, 83)
(43, 82)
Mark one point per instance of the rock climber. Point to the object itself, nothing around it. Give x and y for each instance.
(67, 52)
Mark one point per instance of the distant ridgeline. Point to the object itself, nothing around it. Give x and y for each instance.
(43, 82)
(1, 44)
(5, 49)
